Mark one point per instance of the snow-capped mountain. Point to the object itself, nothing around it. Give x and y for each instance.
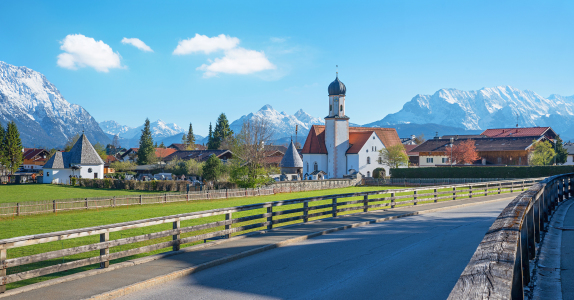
(159, 129)
(486, 108)
(283, 123)
(42, 115)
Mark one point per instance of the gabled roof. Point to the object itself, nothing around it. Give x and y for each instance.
(357, 140)
(31, 153)
(315, 143)
(82, 153)
(198, 155)
(164, 152)
(388, 136)
(409, 149)
(291, 159)
(482, 144)
(519, 132)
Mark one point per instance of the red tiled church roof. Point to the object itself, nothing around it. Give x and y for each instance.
(357, 140)
(315, 142)
(358, 136)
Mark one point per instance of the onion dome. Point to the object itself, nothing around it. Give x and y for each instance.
(337, 87)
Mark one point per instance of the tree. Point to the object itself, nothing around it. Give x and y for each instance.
(249, 170)
(561, 152)
(123, 166)
(185, 167)
(542, 153)
(71, 142)
(420, 139)
(101, 150)
(12, 148)
(161, 145)
(379, 173)
(394, 156)
(116, 142)
(463, 153)
(184, 140)
(2, 134)
(212, 168)
(221, 132)
(190, 139)
(210, 139)
(146, 152)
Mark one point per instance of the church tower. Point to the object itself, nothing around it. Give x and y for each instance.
(337, 130)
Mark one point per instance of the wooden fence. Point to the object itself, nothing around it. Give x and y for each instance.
(499, 269)
(222, 222)
(54, 206)
(426, 181)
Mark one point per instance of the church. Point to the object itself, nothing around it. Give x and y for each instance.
(336, 149)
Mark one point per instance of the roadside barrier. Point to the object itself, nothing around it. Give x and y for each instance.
(500, 268)
(230, 221)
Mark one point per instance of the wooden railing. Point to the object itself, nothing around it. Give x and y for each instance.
(247, 218)
(499, 269)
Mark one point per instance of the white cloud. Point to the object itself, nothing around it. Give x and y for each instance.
(238, 61)
(81, 51)
(137, 43)
(205, 44)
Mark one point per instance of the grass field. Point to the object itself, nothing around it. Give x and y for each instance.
(35, 224)
(34, 192)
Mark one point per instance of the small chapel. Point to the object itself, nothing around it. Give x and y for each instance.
(336, 149)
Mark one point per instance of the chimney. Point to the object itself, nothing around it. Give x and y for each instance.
(413, 137)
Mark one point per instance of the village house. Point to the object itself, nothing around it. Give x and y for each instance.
(338, 149)
(81, 161)
(505, 146)
(132, 154)
(570, 159)
(182, 147)
(200, 155)
(34, 159)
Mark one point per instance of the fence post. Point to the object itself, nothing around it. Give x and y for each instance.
(366, 203)
(227, 226)
(512, 188)
(114, 203)
(226, 194)
(164, 198)
(334, 207)
(523, 185)
(104, 237)
(392, 200)
(470, 191)
(415, 197)
(486, 190)
(270, 217)
(454, 193)
(176, 225)
(54, 205)
(3, 257)
(435, 195)
(499, 187)
(17, 209)
(141, 200)
(87, 203)
(305, 211)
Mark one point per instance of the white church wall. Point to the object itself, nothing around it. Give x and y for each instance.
(370, 152)
(59, 176)
(309, 161)
(95, 170)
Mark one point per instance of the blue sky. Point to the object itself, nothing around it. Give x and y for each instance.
(283, 53)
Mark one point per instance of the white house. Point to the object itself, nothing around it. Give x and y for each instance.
(570, 159)
(337, 149)
(82, 161)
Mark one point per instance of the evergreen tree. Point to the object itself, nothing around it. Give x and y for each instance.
(210, 138)
(221, 132)
(116, 142)
(184, 140)
(161, 145)
(12, 148)
(190, 141)
(146, 153)
(561, 152)
(2, 133)
(212, 168)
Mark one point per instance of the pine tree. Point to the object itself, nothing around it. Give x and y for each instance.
(12, 148)
(146, 153)
(561, 152)
(190, 141)
(161, 145)
(222, 131)
(2, 133)
(184, 140)
(210, 138)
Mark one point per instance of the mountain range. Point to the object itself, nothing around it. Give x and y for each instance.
(43, 117)
(46, 119)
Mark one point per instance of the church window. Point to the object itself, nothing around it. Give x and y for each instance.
(368, 174)
(315, 167)
(307, 167)
(380, 160)
(48, 174)
(330, 107)
(368, 160)
(90, 170)
(341, 107)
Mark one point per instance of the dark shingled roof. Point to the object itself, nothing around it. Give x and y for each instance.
(291, 159)
(82, 153)
(482, 144)
(198, 155)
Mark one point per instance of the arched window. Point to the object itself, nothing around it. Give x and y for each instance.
(368, 161)
(89, 170)
(315, 167)
(368, 174)
(341, 107)
(307, 167)
(380, 160)
(330, 107)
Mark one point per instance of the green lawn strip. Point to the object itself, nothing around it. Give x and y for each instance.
(27, 225)
(37, 192)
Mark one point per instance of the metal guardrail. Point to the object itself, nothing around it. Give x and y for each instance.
(499, 269)
(248, 218)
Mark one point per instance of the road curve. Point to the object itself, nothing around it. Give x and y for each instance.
(418, 257)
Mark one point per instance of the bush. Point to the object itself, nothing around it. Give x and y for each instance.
(481, 172)
(379, 173)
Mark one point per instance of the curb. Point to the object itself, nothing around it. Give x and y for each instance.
(185, 272)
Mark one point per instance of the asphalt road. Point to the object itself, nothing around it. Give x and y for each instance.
(418, 257)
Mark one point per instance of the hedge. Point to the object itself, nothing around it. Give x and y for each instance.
(154, 185)
(481, 172)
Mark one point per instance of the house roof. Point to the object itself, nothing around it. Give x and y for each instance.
(164, 152)
(280, 148)
(182, 147)
(518, 132)
(82, 153)
(409, 149)
(315, 143)
(198, 155)
(291, 159)
(357, 140)
(31, 153)
(111, 159)
(482, 144)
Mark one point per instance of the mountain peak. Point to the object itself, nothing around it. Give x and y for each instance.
(266, 107)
